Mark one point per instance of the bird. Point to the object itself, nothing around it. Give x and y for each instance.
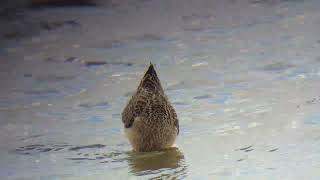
(150, 121)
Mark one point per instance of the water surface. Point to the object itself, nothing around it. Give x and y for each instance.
(244, 77)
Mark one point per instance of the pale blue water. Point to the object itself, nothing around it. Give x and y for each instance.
(244, 77)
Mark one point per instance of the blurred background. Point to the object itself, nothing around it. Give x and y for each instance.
(243, 76)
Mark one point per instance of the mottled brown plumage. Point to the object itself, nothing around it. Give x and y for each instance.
(149, 119)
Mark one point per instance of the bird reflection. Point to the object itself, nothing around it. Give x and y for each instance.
(152, 162)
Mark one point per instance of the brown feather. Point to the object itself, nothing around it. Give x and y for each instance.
(149, 116)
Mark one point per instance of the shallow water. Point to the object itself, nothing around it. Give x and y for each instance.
(244, 77)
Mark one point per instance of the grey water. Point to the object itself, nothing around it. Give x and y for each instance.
(243, 76)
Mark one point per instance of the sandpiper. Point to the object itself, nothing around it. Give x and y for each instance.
(149, 119)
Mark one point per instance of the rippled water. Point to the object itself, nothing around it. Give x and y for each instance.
(244, 77)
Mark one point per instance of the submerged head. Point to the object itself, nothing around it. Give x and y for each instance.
(149, 119)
